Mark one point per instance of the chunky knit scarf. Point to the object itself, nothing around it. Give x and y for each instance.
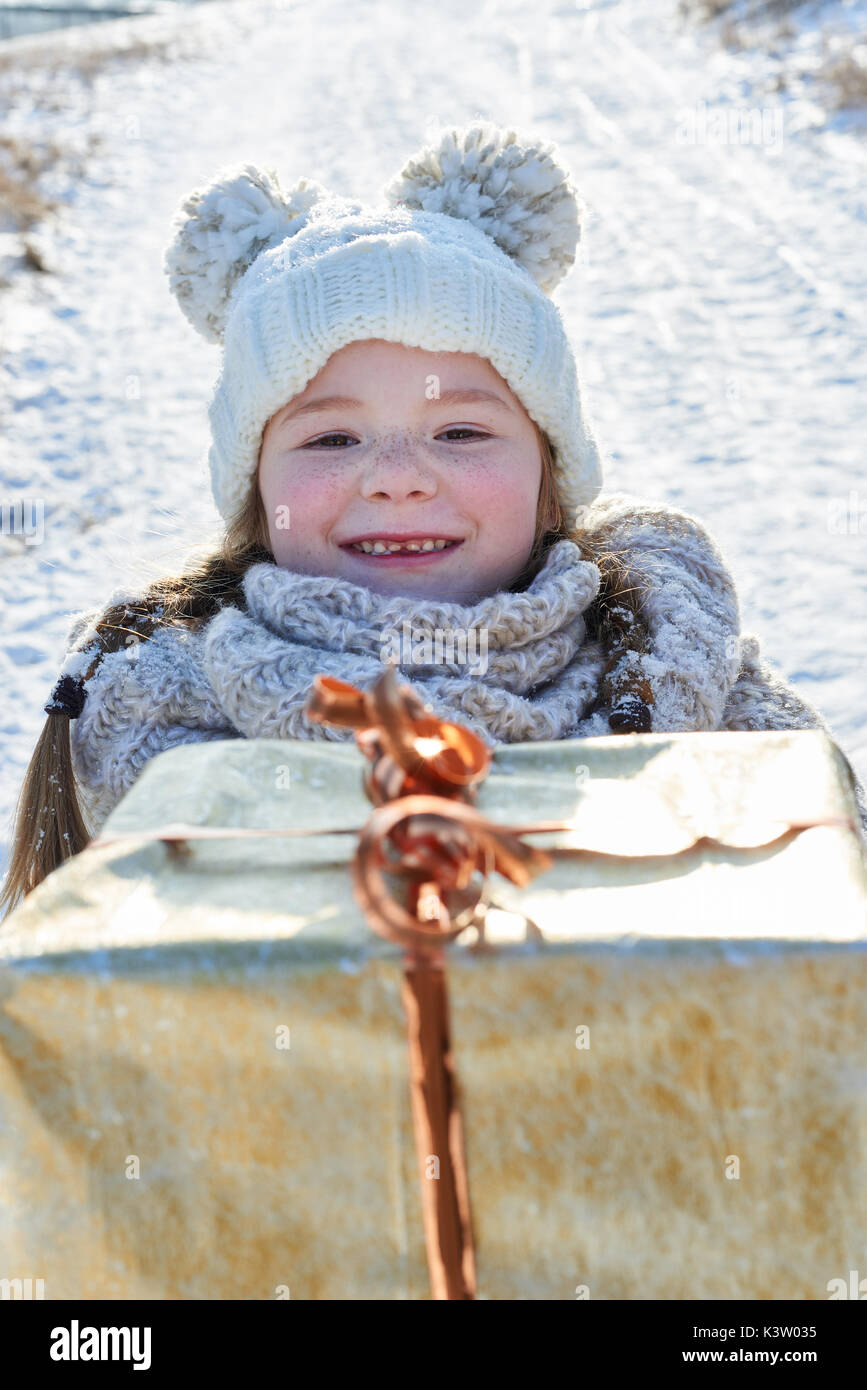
(514, 667)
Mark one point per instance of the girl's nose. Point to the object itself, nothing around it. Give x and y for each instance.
(397, 473)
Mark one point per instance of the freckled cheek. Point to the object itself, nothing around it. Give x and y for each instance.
(315, 498)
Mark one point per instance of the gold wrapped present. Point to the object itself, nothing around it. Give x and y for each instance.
(660, 1041)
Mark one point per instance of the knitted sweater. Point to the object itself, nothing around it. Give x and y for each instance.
(513, 667)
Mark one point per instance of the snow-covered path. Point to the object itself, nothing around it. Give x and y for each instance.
(720, 314)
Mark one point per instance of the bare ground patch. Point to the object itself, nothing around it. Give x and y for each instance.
(840, 76)
(50, 78)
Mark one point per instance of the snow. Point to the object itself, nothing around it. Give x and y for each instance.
(719, 309)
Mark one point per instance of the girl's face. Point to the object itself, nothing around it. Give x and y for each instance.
(392, 444)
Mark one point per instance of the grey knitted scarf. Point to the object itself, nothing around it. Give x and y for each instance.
(514, 667)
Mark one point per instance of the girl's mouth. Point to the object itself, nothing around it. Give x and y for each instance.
(411, 552)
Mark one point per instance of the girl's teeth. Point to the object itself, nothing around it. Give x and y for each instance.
(392, 547)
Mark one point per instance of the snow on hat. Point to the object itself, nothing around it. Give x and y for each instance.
(476, 232)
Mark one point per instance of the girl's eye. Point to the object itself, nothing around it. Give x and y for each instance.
(465, 429)
(320, 442)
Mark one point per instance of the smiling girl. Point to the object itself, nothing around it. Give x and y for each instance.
(415, 473)
(399, 445)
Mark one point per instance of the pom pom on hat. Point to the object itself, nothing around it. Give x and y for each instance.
(510, 187)
(221, 228)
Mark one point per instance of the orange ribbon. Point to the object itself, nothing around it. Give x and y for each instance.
(417, 764)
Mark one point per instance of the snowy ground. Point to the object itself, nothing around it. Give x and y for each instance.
(720, 314)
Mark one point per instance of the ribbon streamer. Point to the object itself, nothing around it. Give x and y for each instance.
(418, 764)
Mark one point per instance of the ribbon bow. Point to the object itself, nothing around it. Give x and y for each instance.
(423, 781)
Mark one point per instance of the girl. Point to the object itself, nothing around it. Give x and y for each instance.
(399, 450)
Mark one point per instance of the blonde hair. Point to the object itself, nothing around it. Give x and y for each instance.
(50, 824)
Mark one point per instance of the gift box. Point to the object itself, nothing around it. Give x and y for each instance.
(659, 1042)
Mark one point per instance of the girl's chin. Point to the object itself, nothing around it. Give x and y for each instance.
(428, 573)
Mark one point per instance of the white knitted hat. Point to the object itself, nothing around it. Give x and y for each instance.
(476, 232)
